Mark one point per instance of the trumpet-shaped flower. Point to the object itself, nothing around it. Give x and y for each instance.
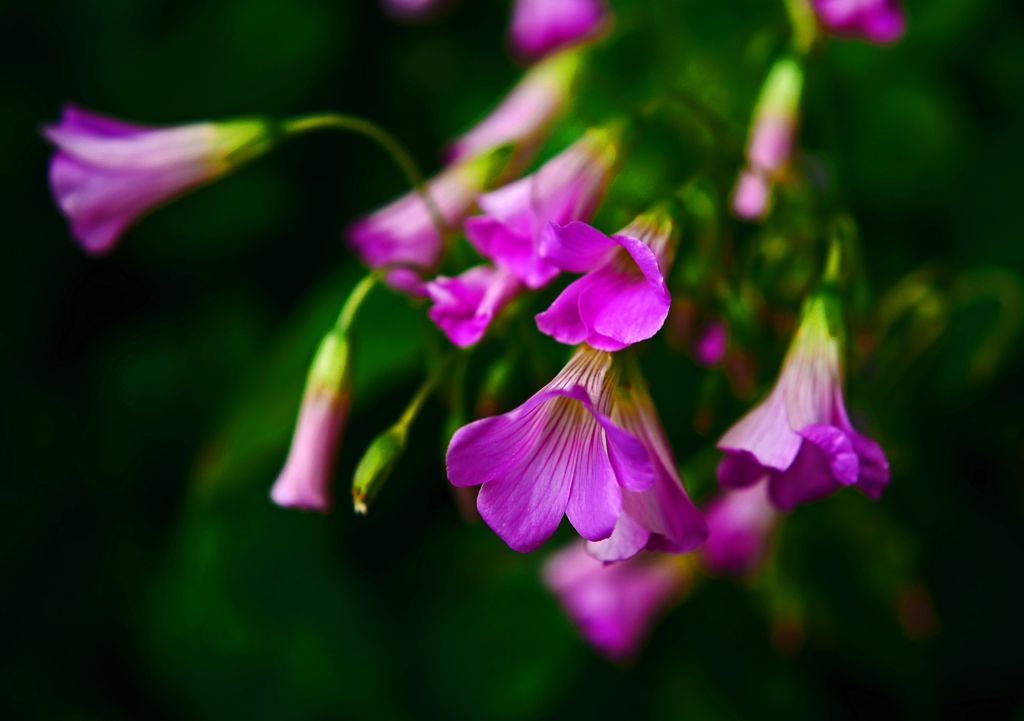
(615, 606)
(405, 233)
(558, 453)
(878, 21)
(740, 524)
(518, 216)
(523, 117)
(800, 435)
(623, 298)
(541, 26)
(772, 139)
(466, 305)
(307, 479)
(107, 174)
(662, 518)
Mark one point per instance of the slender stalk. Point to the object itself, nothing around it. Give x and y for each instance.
(388, 142)
(355, 299)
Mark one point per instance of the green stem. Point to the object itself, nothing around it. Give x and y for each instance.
(424, 392)
(390, 144)
(355, 299)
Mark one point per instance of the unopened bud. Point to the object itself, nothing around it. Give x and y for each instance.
(375, 466)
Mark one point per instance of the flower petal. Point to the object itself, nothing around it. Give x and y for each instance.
(562, 320)
(874, 473)
(576, 247)
(838, 449)
(739, 469)
(765, 433)
(627, 540)
(811, 478)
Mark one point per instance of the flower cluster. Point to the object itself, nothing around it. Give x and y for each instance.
(589, 445)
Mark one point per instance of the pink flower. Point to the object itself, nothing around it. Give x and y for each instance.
(662, 518)
(800, 435)
(541, 26)
(413, 10)
(404, 233)
(466, 305)
(518, 216)
(615, 606)
(307, 479)
(523, 117)
(711, 343)
(741, 524)
(557, 453)
(107, 174)
(623, 298)
(772, 139)
(878, 21)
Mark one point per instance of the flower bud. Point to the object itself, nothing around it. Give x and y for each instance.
(107, 174)
(307, 479)
(376, 465)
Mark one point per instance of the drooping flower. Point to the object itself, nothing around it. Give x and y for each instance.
(615, 606)
(740, 524)
(559, 452)
(623, 298)
(464, 306)
(878, 21)
(800, 435)
(541, 26)
(662, 518)
(523, 117)
(404, 233)
(772, 139)
(107, 174)
(413, 10)
(307, 479)
(518, 216)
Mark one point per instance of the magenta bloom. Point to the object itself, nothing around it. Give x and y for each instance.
(711, 343)
(741, 524)
(107, 173)
(557, 453)
(772, 139)
(413, 10)
(523, 117)
(878, 21)
(540, 26)
(800, 434)
(403, 232)
(662, 518)
(518, 216)
(623, 298)
(466, 305)
(307, 479)
(615, 606)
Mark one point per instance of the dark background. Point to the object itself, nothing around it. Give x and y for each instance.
(147, 398)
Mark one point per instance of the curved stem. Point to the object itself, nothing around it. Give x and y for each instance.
(355, 299)
(388, 142)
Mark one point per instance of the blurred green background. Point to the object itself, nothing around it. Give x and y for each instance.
(147, 398)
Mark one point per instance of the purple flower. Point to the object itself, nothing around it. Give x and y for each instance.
(307, 479)
(107, 173)
(403, 232)
(800, 434)
(623, 298)
(615, 606)
(741, 524)
(518, 216)
(541, 26)
(878, 21)
(466, 305)
(772, 139)
(711, 343)
(413, 10)
(662, 518)
(525, 114)
(559, 452)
